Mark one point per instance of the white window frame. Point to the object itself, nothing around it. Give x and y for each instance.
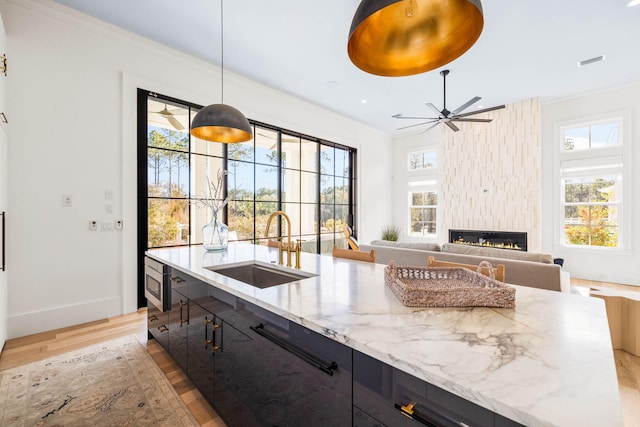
(422, 179)
(423, 187)
(594, 162)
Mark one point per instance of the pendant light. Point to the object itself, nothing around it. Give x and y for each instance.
(220, 122)
(406, 37)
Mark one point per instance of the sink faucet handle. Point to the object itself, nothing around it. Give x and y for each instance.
(298, 250)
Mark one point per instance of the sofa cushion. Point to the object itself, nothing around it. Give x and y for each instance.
(408, 245)
(496, 253)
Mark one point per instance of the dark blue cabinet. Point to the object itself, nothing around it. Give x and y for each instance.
(281, 374)
(178, 324)
(257, 368)
(390, 397)
(157, 322)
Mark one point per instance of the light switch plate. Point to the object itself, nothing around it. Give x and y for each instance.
(66, 201)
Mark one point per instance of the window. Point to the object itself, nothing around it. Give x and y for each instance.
(423, 213)
(422, 160)
(313, 181)
(423, 196)
(591, 183)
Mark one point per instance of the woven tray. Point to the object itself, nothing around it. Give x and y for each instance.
(447, 287)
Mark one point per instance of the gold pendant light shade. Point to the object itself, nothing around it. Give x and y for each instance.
(221, 123)
(407, 37)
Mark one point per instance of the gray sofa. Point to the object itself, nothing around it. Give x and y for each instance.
(521, 268)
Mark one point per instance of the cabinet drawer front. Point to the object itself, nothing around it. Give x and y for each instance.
(399, 399)
(362, 419)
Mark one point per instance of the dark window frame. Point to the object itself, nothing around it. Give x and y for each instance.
(142, 181)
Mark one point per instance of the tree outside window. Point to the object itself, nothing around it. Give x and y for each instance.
(591, 170)
(311, 180)
(423, 213)
(591, 211)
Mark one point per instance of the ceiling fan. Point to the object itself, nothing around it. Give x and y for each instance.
(448, 117)
(170, 117)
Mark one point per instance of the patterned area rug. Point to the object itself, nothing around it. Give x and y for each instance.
(115, 383)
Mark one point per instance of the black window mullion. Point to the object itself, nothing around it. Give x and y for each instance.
(319, 194)
(143, 182)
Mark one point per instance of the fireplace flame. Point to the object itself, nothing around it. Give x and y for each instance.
(513, 246)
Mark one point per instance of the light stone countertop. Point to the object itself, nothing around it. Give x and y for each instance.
(548, 362)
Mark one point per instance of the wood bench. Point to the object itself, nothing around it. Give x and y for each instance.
(623, 313)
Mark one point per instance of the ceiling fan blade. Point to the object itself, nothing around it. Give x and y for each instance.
(433, 107)
(466, 105)
(398, 116)
(417, 124)
(430, 127)
(481, 111)
(452, 126)
(174, 122)
(472, 120)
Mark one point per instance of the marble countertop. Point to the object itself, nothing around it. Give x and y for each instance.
(548, 362)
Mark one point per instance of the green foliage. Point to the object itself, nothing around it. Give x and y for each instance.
(569, 143)
(594, 229)
(163, 219)
(391, 233)
(334, 224)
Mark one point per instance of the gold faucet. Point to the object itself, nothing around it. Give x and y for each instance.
(289, 247)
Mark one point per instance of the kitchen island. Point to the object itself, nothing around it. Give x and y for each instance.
(548, 362)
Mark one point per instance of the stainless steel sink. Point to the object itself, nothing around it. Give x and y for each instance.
(259, 274)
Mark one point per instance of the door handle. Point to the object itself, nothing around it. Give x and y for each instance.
(429, 417)
(182, 304)
(311, 359)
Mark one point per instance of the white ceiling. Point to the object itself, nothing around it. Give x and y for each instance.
(527, 49)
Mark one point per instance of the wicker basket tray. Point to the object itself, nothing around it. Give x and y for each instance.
(447, 287)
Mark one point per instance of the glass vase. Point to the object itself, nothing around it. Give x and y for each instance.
(215, 235)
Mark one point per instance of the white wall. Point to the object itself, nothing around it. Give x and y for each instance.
(72, 88)
(4, 178)
(618, 266)
(402, 146)
(491, 173)
(488, 174)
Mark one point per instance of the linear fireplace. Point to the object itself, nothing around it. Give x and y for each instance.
(495, 239)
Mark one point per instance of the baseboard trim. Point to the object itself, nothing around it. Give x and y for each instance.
(20, 325)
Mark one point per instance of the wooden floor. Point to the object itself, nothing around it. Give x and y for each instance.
(20, 351)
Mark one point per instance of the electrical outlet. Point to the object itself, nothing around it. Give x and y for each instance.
(66, 200)
(93, 225)
(108, 194)
(107, 226)
(118, 224)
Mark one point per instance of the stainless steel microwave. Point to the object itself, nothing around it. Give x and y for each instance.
(156, 284)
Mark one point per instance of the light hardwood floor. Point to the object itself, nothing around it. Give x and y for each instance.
(20, 351)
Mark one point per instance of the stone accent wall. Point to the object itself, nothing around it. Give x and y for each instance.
(491, 177)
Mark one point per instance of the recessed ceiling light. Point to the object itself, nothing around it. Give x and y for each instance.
(633, 3)
(480, 106)
(591, 60)
(364, 101)
(331, 83)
